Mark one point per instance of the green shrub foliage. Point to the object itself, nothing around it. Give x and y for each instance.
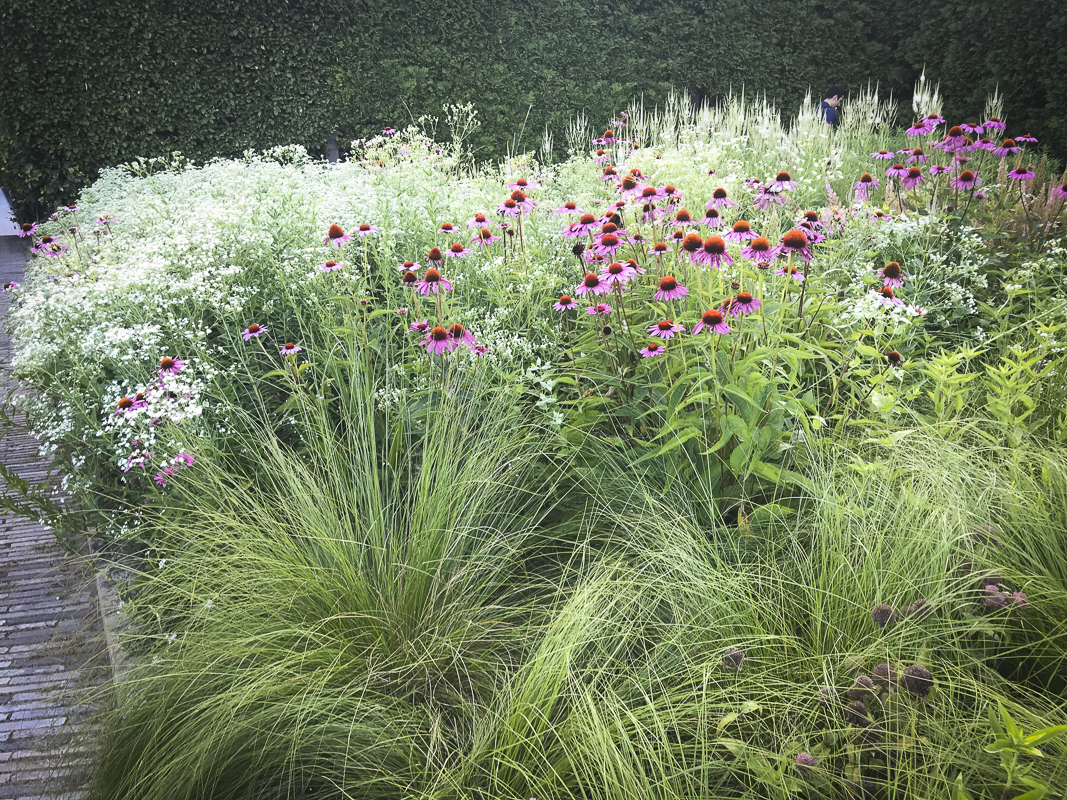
(95, 84)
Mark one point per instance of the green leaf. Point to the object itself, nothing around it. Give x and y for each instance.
(1033, 794)
(1000, 744)
(1045, 735)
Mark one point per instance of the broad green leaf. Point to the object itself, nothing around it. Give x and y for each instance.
(1045, 735)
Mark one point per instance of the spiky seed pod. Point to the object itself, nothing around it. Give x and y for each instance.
(862, 689)
(856, 714)
(918, 680)
(885, 676)
(883, 615)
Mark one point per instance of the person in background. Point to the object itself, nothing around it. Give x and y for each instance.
(830, 104)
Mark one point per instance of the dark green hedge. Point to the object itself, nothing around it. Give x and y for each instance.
(89, 83)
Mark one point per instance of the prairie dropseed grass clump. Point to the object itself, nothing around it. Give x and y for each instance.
(588, 499)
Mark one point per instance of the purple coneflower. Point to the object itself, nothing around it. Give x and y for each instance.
(783, 182)
(682, 217)
(740, 232)
(913, 178)
(599, 310)
(743, 303)
(670, 289)
(883, 155)
(457, 250)
(888, 298)
(479, 220)
(434, 257)
(565, 303)
(954, 139)
(795, 242)
(616, 274)
(920, 128)
(938, 169)
(1020, 174)
(289, 349)
(713, 320)
(814, 236)
(524, 203)
(712, 253)
(660, 249)
(591, 284)
(431, 283)
(509, 208)
(865, 184)
(336, 236)
(254, 330)
(891, 275)
(523, 185)
(11, 286)
(719, 199)
(993, 123)
(759, 249)
(766, 198)
(170, 366)
(27, 229)
(607, 244)
(791, 272)
(1059, 192)
(672, 195)
(1007, 148)
(897, 171)
(665, 329)
(570, 207)
(438, 341)
(609, 174)
(654, 349)
(966, 181)
(581, 228)
(366, 230)
(711, 219)
(916, 154)
(457, 333)
(1026, 138)
(601, 157)
(331, 266)
(484, 238)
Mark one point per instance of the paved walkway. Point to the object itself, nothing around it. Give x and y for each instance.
(52, 655)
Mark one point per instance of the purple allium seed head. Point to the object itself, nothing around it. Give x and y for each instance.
(918, 680)
(883, 615)
(732, 659)
(1018, 600)
(862, 689)
(856, 714)
(885, 676)
(805, 762)
(989, 578)
(827, 696)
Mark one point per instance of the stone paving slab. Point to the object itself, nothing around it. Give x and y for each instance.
(53, 657)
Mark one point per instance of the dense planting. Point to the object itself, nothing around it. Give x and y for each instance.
(720, 459)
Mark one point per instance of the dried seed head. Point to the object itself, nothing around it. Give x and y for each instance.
(918, 680)
(732, 659)
(862, 689)
(827, 696)
(885, 676)
(856, 714)
(805, 762)
(883, 615)
(920, 609)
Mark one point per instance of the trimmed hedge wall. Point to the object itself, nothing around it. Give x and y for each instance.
(99, 82)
